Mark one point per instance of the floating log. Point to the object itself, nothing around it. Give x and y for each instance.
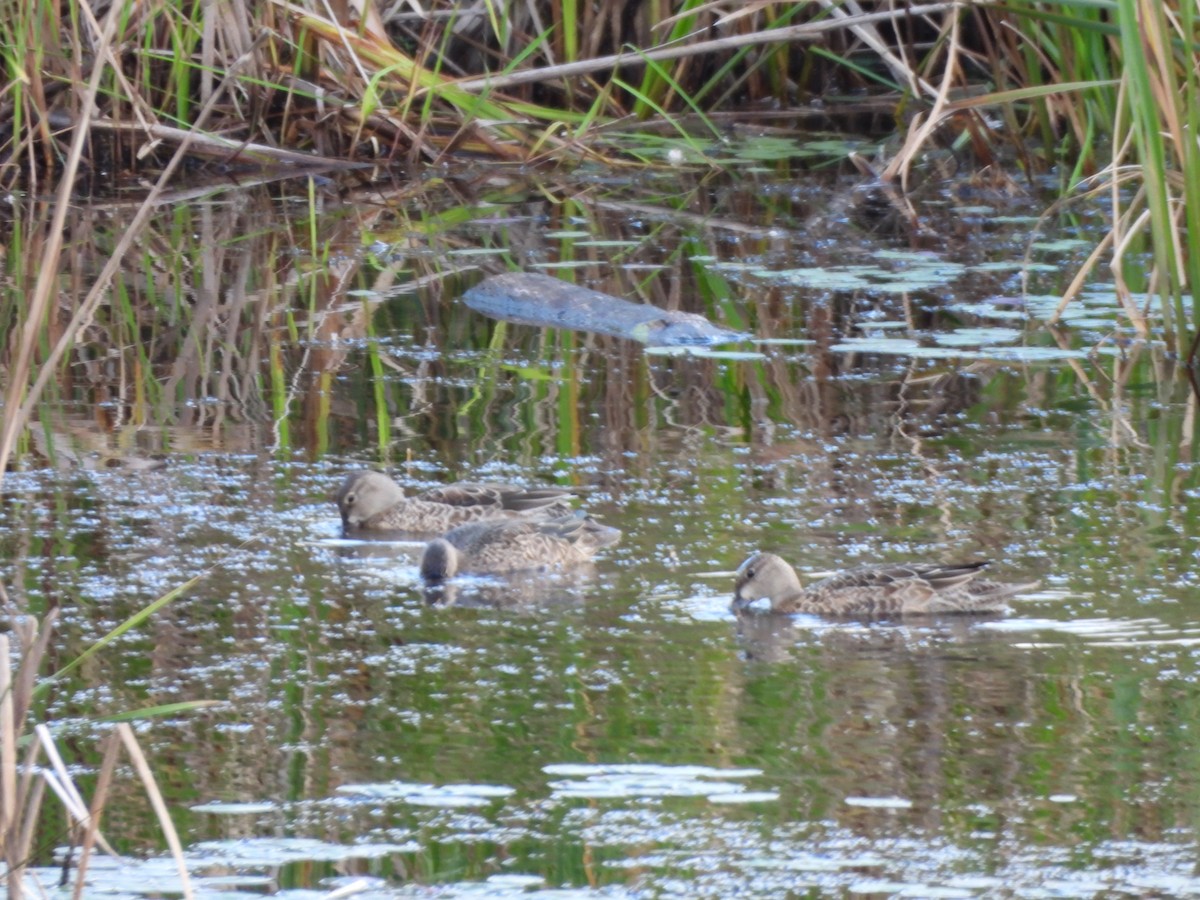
(532, 299)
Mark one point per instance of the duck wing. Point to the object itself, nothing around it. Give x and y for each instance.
(581, 530)
(937, 577)
(498, 546)
(502, 545)
(494, 495)
(893, 589)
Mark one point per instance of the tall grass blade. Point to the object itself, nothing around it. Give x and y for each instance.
(132, 622)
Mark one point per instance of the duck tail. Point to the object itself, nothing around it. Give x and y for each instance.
(600, 536)
(988, 595)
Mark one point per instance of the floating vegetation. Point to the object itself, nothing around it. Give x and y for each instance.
(908, 273)
(849, 278)
(235, 809)
(270, 852)
(975, 343)
(1062, 245)
(896, 346)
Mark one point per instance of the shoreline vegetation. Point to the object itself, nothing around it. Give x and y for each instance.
(1017, 89)
(308, 84)
(1104, 94)
(1101, 97)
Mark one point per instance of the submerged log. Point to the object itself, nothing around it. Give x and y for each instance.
(531, 299)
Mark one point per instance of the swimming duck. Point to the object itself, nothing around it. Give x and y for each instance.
(370, 501)
(873, 590)
(499, 546)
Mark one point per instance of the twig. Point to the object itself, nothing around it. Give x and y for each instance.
(61, 783)
(920, 131)
(8, 747)
(92, 831)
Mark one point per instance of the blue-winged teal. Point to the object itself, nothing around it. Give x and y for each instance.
(873, 590)
(497, 546)
(371, 501)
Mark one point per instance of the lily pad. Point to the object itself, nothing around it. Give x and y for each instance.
(465, 252)
(564, 264)
(234, 809)
(1038, 354)
(634, 780)
(612, 243)
(448, 796)
(1062, 245)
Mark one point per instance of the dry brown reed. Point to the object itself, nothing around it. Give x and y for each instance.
(305, 83)
(25, 777)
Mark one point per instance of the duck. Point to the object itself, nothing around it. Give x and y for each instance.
(369, 500)
(503, 546)
(876, 590)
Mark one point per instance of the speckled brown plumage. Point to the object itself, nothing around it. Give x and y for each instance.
(498, 546)
(920, 589)
(371, 501)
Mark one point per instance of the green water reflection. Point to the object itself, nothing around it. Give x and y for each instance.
(1054, 747)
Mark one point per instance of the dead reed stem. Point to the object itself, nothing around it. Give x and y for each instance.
(17, 414)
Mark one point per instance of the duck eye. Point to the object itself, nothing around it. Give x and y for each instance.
(750, 573)
(350, 498)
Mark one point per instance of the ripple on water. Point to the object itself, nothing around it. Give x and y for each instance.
(446, 796)
(1100, 631)
(235, 809)
(641, 781)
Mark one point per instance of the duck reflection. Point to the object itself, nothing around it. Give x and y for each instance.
(922, 713)
(525, 590)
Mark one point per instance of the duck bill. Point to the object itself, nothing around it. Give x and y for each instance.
(739, 602)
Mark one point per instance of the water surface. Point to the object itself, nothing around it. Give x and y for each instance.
(615, 731)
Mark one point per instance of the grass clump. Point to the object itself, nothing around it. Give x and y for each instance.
(267, 82)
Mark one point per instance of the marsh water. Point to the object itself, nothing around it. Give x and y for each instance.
(616, 731)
